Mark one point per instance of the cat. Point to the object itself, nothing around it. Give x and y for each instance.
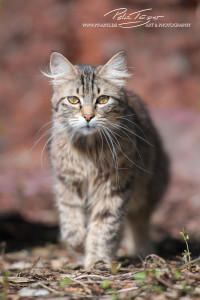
(108, 163)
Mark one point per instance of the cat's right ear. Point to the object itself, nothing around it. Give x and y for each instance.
(61, 68)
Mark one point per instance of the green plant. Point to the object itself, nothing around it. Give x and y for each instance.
(177, 275)
(65, 281)
(140, 276)
(105, 284)
(186, 254)
(5, 285)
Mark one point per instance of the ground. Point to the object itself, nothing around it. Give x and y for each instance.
(47, 273)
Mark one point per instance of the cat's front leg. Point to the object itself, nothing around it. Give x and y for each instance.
(71, 213)
(104, 232)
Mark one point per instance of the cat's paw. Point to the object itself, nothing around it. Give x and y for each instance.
(101, 265)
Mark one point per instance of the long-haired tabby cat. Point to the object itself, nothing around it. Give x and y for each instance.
(107, 159)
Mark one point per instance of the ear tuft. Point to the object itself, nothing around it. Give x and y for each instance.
(115, 70)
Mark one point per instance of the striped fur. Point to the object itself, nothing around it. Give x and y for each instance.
(108, 172)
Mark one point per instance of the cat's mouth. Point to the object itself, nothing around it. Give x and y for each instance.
(88, 129)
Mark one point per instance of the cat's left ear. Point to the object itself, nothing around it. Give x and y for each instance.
(115, 70)
(61, 70)
(61, 66)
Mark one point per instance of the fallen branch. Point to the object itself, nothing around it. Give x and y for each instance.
(186, 264)
(55, 292)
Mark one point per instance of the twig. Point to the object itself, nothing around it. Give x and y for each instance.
(140, 258)
(91, 276)
(25, 271)
(186, 264)
(50, 289)
(128, 289)
(186, 254)
(33, 265)
(167, 283)
(87, 290)
(106, 277)
(126, 274)
(155, 256)
(130, 295)
(193, 276)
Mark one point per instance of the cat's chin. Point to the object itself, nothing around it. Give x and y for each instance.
(88, 130)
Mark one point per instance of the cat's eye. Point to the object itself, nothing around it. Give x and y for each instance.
(73, 99)
(103, 99)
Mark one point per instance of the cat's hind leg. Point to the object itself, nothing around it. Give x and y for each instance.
(141, 242)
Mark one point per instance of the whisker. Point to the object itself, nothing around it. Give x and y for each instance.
(49, 139)
(136, 126)
(125, 116)
(119, 147)
(114, 154)
(101, 144)
(127, 129)
(133, 144)
(74, 130)
(108, 143)
(43, 135)
(111, 140)
(43, 127)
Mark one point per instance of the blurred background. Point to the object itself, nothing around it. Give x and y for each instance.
(166, 67)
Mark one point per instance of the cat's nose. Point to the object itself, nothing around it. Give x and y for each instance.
(88, 117)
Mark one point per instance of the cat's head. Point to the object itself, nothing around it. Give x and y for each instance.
(86, 98)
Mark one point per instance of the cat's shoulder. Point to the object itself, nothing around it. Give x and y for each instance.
(137, 105)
